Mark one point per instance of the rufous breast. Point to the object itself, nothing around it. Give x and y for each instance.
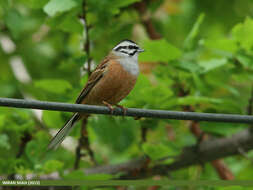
(115, 85)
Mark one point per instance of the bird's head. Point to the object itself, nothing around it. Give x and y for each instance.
(128, 49)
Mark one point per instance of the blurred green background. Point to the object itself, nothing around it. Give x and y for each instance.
(198, 57)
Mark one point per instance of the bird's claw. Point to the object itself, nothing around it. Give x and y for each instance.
(109, 106)
(122, 108)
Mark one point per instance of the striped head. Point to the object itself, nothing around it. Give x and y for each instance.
(127, 48)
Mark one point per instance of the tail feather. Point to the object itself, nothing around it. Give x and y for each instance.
(63, 132)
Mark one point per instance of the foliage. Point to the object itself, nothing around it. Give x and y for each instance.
(205, 49)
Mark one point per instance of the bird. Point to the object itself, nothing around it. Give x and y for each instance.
(110, 82)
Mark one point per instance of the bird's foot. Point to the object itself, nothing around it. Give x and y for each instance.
(122, 108)
(109, 106)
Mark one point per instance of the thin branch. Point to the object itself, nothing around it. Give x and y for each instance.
(250, 105)
(79, 146)
(209, 150)
(222, 169)
(83, 142)
(133, 112)
(141, 8)
(86, 46)
(144, 131)
(130, 166)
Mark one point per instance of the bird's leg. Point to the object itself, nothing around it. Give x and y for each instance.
(109, 106)
(122, 108)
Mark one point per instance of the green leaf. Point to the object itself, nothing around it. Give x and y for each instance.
(2, 120)
(223, 44)
(243, 34)
(138, 97)
(198, 81)
(4, 141)
(245, 173)
(19, 23)
(112, 7)
(212, 64)
(71, 24)
(52, 119)
(245, 60)
(224, 129)
(189, 66)
(231, 188)
(193, 100)
(121, 130)
(124, 3)
(53, 85)
(115, 5)
(34, 4)
(15, 22)
(54, 7)
(159, 50)
(189, 41)
(157, 151)
(66, 23)
(52, 165)
(35, 149)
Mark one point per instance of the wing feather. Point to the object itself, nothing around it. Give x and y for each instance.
(95, 76)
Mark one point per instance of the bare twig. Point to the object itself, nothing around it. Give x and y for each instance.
(130, 166)
(83, 143)
(84, 140)
(144, 131)
(86, 46)
(79, 146)
(222, 169)
(209, 150)
(250, 105)
(141, 8)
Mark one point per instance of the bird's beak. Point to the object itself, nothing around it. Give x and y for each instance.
(141, 50)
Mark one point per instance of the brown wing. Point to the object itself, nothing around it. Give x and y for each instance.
(95, 76)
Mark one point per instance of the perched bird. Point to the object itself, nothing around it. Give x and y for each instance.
(108, 84)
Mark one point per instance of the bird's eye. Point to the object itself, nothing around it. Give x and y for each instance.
(132, 47)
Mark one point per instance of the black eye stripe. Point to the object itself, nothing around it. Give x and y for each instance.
(131, 54)
(124, 52)
(132, 47)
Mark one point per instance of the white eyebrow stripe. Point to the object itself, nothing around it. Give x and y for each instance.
(125, 43)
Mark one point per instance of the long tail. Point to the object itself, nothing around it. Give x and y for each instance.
(63, 132)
